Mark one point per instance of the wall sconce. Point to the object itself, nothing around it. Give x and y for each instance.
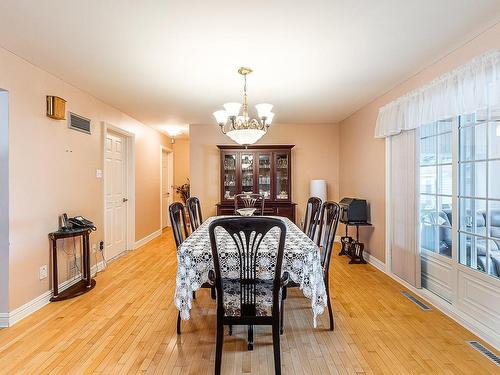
(56, 107)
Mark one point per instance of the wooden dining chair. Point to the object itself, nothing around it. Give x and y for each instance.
(248, 300)
(328, 222)
(249, 200)
(330, 214)
(311, 218)
(177, 215)
(194, 210)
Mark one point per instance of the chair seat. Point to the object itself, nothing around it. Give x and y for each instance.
(263, 297)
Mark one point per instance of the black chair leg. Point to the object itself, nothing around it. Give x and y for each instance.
(250, 337)
(212, 292)
(284, 293)
(282, 314)
(276, 347)
(230, 333)
(330, 312)
(178, 323)
(219, 341)
(194, 295)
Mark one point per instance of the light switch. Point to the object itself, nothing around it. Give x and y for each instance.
(98, 173)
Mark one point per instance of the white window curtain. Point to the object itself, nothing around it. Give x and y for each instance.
(463, 90)
(402, 207)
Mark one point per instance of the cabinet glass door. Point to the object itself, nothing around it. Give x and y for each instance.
(282, 178)
(230, 181)
(246, 173)
(265, 175)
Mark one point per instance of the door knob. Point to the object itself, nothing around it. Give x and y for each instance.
(124, 200)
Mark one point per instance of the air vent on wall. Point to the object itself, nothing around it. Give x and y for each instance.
(79, 123)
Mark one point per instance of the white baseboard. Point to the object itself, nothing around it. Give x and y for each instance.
(374, 262)
(143, 241)
(8, 320)
(472, 325)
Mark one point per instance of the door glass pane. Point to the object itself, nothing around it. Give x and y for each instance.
(494, 138)
(494, 219)
(229, 176)
(428, 151)
(444, 206)
(444, 148)
(473, 179)
(428, 180)
(428, 232)
(494, 179)
(265, 175)
(282, 182)
(473, 215)
(445, 180)
(494, 252)
(247, 173)
(473, 142)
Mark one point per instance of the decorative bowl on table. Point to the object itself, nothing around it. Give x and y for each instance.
(246, 211)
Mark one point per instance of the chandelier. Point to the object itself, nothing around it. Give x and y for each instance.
(241, 128)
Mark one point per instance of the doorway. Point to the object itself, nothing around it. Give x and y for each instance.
(166, 199)
(119, 191)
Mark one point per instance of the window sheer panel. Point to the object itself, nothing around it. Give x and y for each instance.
(405, 259)
(469, 88)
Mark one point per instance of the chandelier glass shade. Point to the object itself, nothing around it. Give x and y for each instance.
(241, 128)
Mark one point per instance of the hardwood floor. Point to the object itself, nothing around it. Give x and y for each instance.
(127, 325)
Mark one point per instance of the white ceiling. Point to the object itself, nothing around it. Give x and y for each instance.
(175, 62)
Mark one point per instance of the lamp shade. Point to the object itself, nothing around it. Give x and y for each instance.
(264, 109)
(232, 109)
(220, 116)
(317, 188)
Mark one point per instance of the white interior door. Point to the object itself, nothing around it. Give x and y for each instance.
(115, 182)
(166, 186)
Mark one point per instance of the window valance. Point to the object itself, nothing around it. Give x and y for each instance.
(473, 86)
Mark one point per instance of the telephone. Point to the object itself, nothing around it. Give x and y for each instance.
(76, 222)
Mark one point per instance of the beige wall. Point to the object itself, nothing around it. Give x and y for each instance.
(362, 165)
(52, 170)
(181, 163)
(315, 156)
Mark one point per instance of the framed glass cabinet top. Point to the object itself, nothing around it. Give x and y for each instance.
(265, 175)
(282, 178)
(247, 173)
(230, 181)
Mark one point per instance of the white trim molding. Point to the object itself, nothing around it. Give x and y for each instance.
(9, 319)
(150, 237)
(377, 263)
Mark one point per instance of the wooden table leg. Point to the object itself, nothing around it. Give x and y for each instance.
(55, 281)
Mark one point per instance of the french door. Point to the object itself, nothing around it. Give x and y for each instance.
(459, 214)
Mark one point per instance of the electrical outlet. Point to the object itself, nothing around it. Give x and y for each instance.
(43, 272)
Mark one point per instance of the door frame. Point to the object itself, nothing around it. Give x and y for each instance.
(170, 162)
(130, 178)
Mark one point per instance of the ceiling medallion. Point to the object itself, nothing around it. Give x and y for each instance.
(241, 128)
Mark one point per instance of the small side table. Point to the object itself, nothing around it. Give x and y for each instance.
(353, 247)
(87, 282)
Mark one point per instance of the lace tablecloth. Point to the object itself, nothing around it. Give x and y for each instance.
(301, 260)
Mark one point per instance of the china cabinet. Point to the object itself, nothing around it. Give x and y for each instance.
(262, 169)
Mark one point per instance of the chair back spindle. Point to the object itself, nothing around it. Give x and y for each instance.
(194, 210)
(178, 221)
(311, 219)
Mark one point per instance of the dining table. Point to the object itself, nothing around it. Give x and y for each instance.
(301, 260)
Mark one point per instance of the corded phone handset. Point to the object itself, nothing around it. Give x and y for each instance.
(76, 222)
